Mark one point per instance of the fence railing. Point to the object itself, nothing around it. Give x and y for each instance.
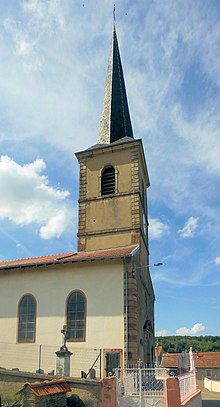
(187, 384)
(146, 387)
(42, 358)
(141, 382)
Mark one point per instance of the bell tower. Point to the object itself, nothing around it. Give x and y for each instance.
(113, 174)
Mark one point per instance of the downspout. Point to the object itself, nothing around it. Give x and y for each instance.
(126, 309)
(132, 254)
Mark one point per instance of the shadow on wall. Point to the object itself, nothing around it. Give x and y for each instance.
(74, 401)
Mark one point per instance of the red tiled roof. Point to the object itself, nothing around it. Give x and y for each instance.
(30, 260)
(207, 359)
(202, 359)
(68, 257)
(170, 359)
(47, 387)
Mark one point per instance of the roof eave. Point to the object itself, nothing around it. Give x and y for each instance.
(69, 261)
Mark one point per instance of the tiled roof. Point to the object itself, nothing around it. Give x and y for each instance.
(202, 359)
(68, 257)
(207, 359)
(47, 387)
(170, 359)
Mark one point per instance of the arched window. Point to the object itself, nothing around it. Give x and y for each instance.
(27, 319)
(108, 180)
(76, 316)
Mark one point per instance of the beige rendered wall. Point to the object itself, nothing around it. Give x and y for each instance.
(108, 241)
(108, 214)
(114, 218)
(102, 284)
(120, 160)
(212, 385)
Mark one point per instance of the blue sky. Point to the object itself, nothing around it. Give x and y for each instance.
(53, 64)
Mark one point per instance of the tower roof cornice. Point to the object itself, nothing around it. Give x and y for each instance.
(115, 120)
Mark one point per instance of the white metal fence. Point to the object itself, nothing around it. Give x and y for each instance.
(32, 357)
(187, 385)
(141, 387)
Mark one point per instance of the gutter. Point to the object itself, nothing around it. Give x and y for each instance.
(126, 309)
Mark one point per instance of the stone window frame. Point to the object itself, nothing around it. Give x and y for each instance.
(35, 318)
(83, 339)
(100, 179)
(104, 356)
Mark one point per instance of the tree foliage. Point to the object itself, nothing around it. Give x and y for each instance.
(177, 344)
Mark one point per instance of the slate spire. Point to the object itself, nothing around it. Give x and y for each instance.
(115, 120)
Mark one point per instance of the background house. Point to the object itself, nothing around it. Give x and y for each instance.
(207, 364)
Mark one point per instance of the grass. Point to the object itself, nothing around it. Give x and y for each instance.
(8, 391)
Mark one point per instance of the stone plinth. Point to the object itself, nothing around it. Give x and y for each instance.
(63, 362)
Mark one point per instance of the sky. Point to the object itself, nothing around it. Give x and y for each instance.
(53, 65)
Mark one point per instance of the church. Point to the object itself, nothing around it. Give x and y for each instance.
(103, 292)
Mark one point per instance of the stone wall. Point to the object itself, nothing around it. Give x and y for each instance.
(11, 382)
(28, 399)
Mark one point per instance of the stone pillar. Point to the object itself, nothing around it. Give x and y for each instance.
(172, 392)
(108, 392)
(63, 362)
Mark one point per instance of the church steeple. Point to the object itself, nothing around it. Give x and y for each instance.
(113, 174)
(115, 120)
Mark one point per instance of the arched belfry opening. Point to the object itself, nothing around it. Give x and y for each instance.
(108, 180)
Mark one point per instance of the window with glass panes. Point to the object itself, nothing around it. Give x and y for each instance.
(27, 319)
(76, 316)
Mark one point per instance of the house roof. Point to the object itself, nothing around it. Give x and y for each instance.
(70, 257)
(170, 359)
(207, 359)
(47, 387)
(201, 359)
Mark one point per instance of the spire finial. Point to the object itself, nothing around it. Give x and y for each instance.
(114, 13)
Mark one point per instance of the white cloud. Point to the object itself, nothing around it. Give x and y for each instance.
(163, 332)
(157, 229)
(196, 329)
(192, 124)
(46, 14)
(55, 225)
(217, 261)
(23, 46)
(201, 135)
(189, 228)
(27, 197)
